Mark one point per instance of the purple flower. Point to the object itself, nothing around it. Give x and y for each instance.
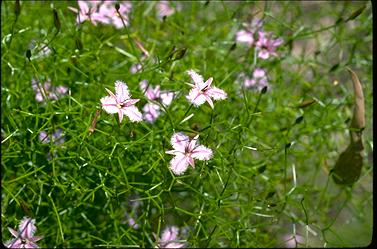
(45, 90)
(152, 110)
(57, 137)
(203, 91)
(168, 238)
(24, 237)
(132, 223)
(185, 151)
(258, 81)
(135, 68)
(121, 103)
(266, 46)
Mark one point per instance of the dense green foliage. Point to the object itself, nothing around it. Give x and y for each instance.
(269, 175)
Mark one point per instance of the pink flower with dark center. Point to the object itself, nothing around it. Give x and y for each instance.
(168, 238)
(86, 11)
(121, 103)
(24, 237)
(185, 151)
(203, 91)
(266, 46)
(152, 110)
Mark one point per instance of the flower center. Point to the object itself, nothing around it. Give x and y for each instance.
(120, 105)
(187, 151)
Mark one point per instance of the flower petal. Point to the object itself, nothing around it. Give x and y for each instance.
(13, 232)
(36, 238)
(133, 113)
(174, 245)
(120, 115)
(179, 164)
(169, 233)
(263, 54)
(14, 243)
(109, 104)
(173, 152)
(166, 98)
(121, 91)
(30, 244)
(192, 143)
(197, 78)
(179, 141)
(244, 36)
(143, 85)
(209, 100)
(151, 112)
(43, 137)
(130, 102)
(202, 153)
(27, 227)
(208, 83)
(216, 93)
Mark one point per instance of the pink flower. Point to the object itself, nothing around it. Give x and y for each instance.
(292, 241)
(185, 151)
(155, 94)
(24, 237)
(107, 13)
(152, 110)
(135, 68)
(103, 12)
(121, 103)
(203, 91)
(247, 35)
(85, 11)
(164, 9)
(258, 81)
(266, 46)
(169, 235)
(61, 90)
(45, 90)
